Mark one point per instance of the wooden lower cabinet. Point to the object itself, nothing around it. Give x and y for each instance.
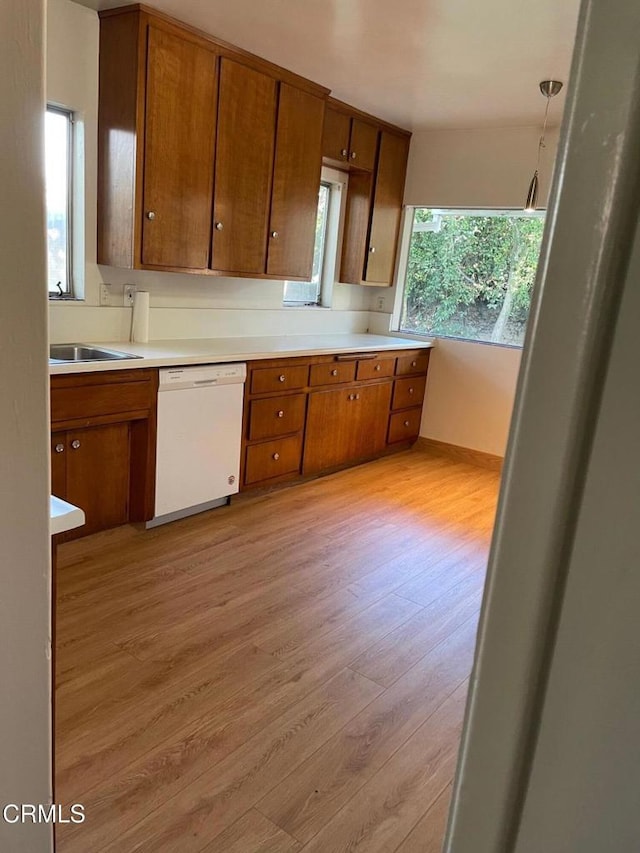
(306, 415)
(98, 466)
(345, 425)
(103, 446)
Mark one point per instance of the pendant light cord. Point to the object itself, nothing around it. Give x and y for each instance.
(541, 144)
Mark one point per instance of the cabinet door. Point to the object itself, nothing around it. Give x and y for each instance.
(345, 425)
(178, 154)
(356, 227)
(98, 475)
(244, 165)
(59, 464)
(387, 207)
(335, 135)
(296, 180)
(364, 145)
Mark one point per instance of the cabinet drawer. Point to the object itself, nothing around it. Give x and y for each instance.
(267, 379)
(332, 373)
(408, 392)
(375, 368)
(272, 459)
(87, 401)
(415, 362)
(276, 416)
(404, 425)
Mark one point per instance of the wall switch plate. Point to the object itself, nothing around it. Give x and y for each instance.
(129, 295)
(105, 294)
(380, 303)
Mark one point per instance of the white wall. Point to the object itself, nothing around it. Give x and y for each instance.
(471, 386)
(25, 741)
(250, 306)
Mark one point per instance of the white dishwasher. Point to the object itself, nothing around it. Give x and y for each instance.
(199, 437)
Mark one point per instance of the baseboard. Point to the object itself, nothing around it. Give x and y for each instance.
(461, 454)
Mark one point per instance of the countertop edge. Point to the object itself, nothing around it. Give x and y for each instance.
(63, 516)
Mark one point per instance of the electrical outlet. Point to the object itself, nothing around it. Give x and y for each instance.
(105, 294)
(129, 295)
(380, 303)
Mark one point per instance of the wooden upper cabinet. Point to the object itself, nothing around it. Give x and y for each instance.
(296, 180)
(387, 207)
(244, 165)
(349, 139)
(180, 121)
(336, 135)
(187, 184)
(364, 145)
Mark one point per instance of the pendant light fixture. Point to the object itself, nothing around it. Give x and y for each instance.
(549, 88)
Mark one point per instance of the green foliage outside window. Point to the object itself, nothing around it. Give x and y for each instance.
(470, 275)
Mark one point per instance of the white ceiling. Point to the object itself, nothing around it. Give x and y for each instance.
(419, 63)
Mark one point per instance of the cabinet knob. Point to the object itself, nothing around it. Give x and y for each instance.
(372, 250)
(357, 396)
(377, 367)
(280, 414)
(334, 372)
(414, 364)
(151, 215)
(75, 444)
(353, 155)
(59, 448)
(276, 456)
(275, 235)
(344, 153)
(411, 390)
(219, 226)
(352, 396)
(281, 378)
(406, 423)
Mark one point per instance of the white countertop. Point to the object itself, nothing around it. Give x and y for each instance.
(64, 516)
(220, 350)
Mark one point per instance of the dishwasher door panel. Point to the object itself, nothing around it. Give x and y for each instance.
(198, 446)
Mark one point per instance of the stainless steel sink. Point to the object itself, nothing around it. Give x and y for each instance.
(84, 352)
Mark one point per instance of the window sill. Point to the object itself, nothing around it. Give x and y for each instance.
(420, 337)
(302, 306)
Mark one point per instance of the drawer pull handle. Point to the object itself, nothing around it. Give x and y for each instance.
(281, 378)
(406, 423)
(59, 448)
(75, 444)
(276, 456)
(334, 372)
(377, 367)
(280, 414)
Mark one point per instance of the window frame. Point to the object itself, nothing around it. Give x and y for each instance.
(406, 232)
(320, 299)
(68, 292)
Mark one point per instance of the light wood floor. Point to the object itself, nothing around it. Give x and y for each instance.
(284, 674)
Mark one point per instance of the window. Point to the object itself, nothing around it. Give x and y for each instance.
(58, 174)
(310, 292)
(470, 274)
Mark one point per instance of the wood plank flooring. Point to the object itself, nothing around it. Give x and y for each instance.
(284, 674)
